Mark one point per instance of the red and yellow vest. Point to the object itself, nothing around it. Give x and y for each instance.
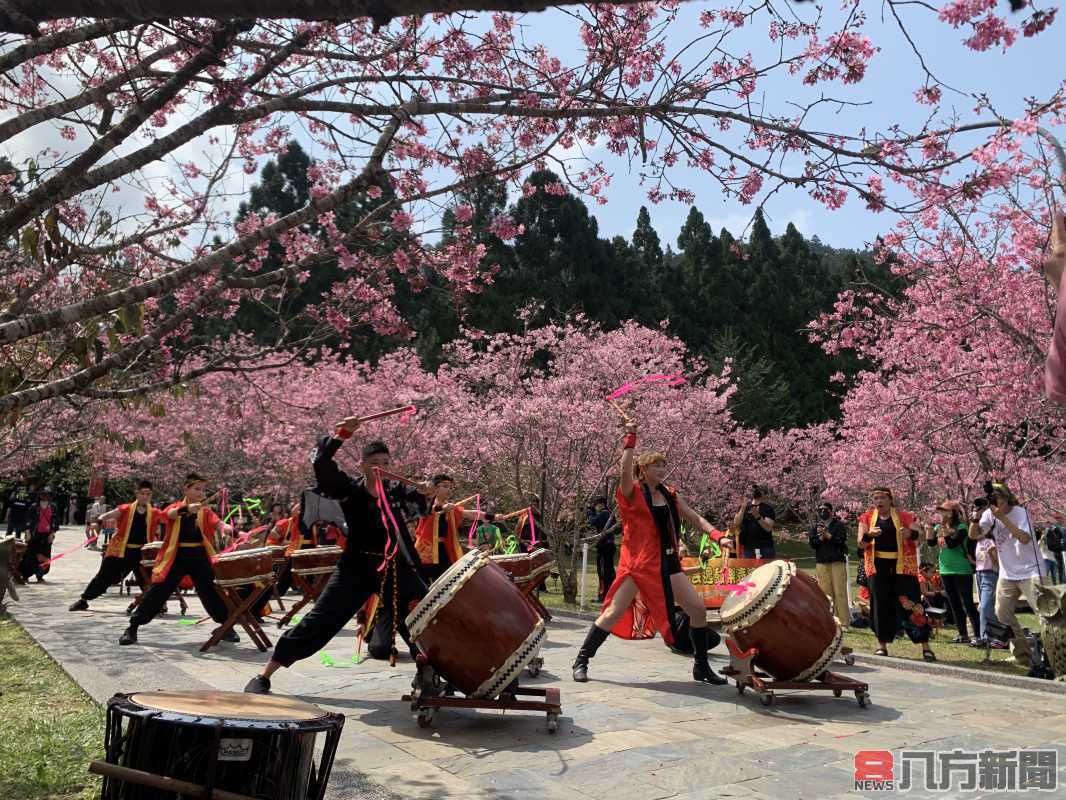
(906, 548)
(288, 532)
(116, 548)
(427, 537)
(206, 522)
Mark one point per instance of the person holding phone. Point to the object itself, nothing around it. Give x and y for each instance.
(755, 521)
(829, 539)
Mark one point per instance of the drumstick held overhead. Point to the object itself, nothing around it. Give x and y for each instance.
(620, 410)
(410, 409)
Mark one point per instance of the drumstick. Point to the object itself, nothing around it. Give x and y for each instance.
(512, 514)
(396, 477)
(464, 500)
(161, 782)
(389, 413)
(620, 410)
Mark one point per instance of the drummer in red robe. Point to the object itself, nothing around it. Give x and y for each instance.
(650, 580)
(135, 525)
(188, 545)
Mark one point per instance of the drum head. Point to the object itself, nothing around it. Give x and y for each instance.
(230, 705)
(769, 581)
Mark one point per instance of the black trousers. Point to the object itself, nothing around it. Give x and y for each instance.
(886, 587)
(605, 569)
(348, 589)
(285, 578)
(379, 644)
(37, 545)
(959, 589)
(16, 525)
(112, 570)
(203, 578)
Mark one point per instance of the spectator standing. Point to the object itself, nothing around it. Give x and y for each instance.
(72, 509)
(1047, 539)
(19, 502)
(44, 522)
(888, 537)
(987, 573)
(1008, 522)
(828, 538)
(950, 538)
(756, 521)
(599, 519)
(1057, 545)
(92, 520)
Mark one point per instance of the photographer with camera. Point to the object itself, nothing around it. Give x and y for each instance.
(755, 521)
(999, 515)
(829, 539)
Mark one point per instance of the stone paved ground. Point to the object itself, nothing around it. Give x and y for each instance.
(641, 729)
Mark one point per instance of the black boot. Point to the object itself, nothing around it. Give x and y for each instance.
(129, 636)
(701, 670)
(593, 639)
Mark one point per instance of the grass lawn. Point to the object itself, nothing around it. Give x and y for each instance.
(862, 641)
(51, 728)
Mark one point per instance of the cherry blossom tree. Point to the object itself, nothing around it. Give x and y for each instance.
(955, 393)
(120, 243)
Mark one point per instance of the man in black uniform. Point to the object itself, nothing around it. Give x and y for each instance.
(369, 544)
(19, 503)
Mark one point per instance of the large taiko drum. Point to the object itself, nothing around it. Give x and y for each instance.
(785, 614)
(242, 567)
(475, 627)
(316, 560)
(527, 568)
(257, 746)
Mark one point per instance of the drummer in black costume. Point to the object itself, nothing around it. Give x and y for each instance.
(357, 576)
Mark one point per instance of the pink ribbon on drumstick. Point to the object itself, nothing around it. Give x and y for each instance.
(88, 541)
(675, 379)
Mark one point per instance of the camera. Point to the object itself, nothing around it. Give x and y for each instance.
(990, 496)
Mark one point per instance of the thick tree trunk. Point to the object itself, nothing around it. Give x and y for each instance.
(568, 580)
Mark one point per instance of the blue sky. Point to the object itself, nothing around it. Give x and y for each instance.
(1032, 67)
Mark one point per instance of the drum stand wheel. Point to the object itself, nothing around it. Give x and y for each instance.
(429, 693)
(534, 666)
(742, 669)
(847, 656)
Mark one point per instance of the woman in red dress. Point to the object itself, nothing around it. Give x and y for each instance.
(650, 579)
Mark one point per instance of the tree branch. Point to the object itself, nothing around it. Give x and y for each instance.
(380, 11)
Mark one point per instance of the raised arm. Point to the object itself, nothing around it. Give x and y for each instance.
(109, 517)
(625, 483)
(332, 480)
